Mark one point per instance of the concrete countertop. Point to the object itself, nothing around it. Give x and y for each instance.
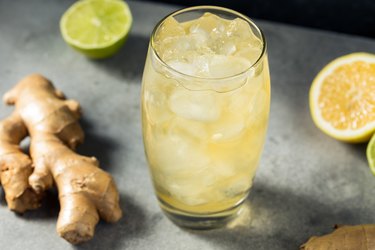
(306, 182)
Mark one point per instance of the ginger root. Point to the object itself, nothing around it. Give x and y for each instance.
(360, 237)
(16, 166)
(86, 192)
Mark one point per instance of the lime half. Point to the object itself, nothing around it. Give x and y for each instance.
(97, 28)
(370, 152)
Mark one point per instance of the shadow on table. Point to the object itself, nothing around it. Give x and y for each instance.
(277, 219)
(2, 198)
(359, 150)
(129, 62)
(98, 145)
(49, 209)
(131, 225)
(107, 235)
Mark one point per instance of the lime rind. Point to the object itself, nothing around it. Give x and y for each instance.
(370, 153)
(96, 28)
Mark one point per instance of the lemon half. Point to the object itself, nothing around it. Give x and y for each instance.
(342, 98)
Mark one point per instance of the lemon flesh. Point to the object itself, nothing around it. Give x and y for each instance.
(342, 98)
(96, 28)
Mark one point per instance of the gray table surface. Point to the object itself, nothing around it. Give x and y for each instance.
(306, 182)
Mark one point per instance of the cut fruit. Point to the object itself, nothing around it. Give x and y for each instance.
(370, 152)
(97, 28)
(342, 98)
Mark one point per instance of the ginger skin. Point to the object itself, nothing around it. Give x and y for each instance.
(360, 237)
(86, 192)
(16, 166)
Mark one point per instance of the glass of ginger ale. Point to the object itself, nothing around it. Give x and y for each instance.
(205, 107)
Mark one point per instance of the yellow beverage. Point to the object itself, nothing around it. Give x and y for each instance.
(205, 107)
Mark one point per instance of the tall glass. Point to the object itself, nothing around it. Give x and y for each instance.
(205, 108)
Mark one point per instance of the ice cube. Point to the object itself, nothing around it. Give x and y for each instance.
(243, 98)
(238, 186)
(210, 32)
(171, 40)
(200, 35)
(175, 48)
(228, 129)
(187, 191)
(223, 169)
(228, 48)
(155, 102)
(203, 187)
(195, 189)
(195, 105)
(239, 101)
(249, 52)
(225, 66)
(173, 152)
(258, 104)
(191, 64)
(201, 63)
(209, 23)
(193, 129)
(183, 67)
(248, 45)
(239, 28)
(170, 28)
(209, 46)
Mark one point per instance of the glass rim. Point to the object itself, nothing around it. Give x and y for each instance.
(212, 7)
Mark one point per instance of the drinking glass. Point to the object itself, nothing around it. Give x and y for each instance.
(205, 107)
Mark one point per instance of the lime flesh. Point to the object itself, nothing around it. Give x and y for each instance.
(96, 28)
(370, 152)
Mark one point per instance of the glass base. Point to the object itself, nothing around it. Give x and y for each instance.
(200, 221)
